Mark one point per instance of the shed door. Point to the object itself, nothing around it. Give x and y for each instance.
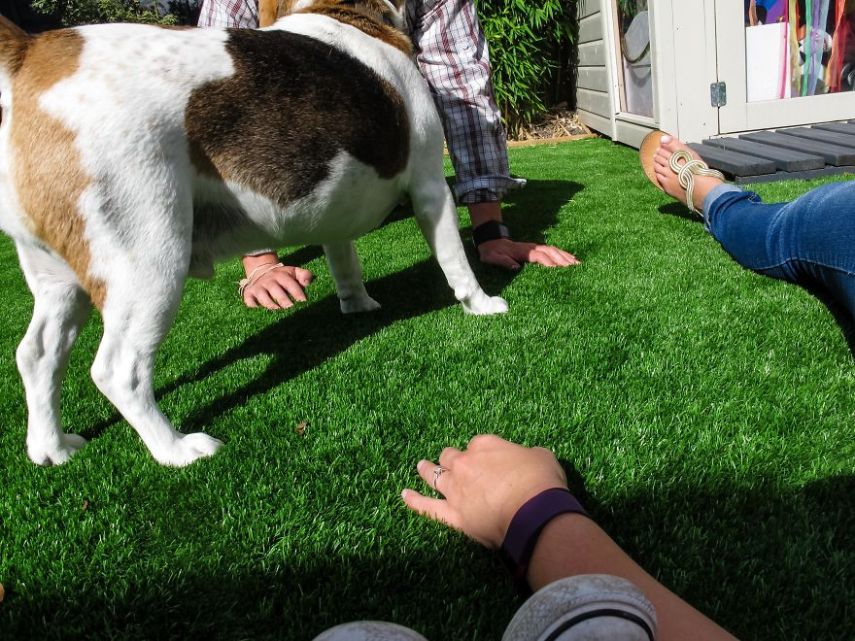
(785, 62)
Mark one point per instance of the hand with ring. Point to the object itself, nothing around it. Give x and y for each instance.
(484, 485)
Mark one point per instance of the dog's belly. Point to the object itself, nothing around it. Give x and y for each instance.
(231, 219)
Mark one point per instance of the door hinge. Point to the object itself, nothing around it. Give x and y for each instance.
(718, 94)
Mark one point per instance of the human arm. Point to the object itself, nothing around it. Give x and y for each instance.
(513, 254)
(485, 486)
(452, 54)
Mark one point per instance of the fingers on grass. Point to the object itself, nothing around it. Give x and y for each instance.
(425, 469)
(265, 300)
(436, 509)
(500, 259)
(481, 441)
(303, 276)
(448, 455)
(280, 296)
(438, 482)
(294, 289)
(564, 258)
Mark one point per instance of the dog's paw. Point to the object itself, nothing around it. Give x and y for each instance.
(55, 453)
(358, 304)
(482, 305)
(188, 448)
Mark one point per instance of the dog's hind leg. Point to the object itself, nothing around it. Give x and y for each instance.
(143, 285)
(437, 217)
(138, 311)
(347, 274)
(60, 310)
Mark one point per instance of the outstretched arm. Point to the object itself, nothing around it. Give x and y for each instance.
(485, 485)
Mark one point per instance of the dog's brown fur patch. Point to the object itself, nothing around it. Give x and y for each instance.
(367, 16)
(291, 106)
(48, 172)
(269, 11)
(13, 45)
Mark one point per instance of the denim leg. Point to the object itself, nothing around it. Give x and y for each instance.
(744, 225)
(809, 241)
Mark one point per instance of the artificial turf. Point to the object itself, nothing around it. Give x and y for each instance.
(707, 413)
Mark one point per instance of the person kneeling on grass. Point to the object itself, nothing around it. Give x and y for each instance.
(809, 241)
(515, 498)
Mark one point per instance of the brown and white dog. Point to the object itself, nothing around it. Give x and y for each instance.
(132, 156)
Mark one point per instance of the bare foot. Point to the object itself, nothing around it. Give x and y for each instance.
(669, 181)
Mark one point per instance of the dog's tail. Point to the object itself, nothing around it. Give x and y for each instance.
(13, 47)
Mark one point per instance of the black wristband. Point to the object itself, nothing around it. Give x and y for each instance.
(528, 523)
(491, 230)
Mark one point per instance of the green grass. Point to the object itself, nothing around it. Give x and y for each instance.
(708, 413)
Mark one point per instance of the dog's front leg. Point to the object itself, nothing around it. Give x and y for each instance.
(437, 217)
(61, 308)
(347, 273)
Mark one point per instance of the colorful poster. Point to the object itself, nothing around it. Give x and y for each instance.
(819, 56)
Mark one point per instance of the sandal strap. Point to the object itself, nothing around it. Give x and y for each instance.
(687, 167)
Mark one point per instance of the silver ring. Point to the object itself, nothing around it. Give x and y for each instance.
(438, 471)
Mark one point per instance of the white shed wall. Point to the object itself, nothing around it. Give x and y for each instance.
(595, 102)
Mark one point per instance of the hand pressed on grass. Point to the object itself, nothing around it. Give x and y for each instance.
(275, 286)
(485, 485)
(512, 254)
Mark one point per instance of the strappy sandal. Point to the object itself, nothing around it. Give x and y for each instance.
(682, 163)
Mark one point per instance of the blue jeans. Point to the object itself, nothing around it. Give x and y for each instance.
(809, 241)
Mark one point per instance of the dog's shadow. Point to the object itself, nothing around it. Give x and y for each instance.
(317, 332)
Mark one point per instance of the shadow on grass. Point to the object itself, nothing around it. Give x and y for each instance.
(317, 332)
(765, 565)
(680, 211)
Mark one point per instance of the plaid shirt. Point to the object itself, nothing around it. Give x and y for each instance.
(451, 52)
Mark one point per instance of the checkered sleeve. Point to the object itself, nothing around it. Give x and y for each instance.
(451, 52)
(229, 13)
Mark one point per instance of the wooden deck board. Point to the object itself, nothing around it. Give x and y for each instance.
(828, 170)
(837, 127)
(734, 163)
(833, 154)
(784, 159)
(821, 135)
(824, 149)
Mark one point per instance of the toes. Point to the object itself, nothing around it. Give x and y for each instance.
(201, 444)
(498, 305)
(357, 305)
(44, 454)
(189, 448)
(483, 305)
(75, 441)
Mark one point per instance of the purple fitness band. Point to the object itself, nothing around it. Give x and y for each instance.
(528, 523)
